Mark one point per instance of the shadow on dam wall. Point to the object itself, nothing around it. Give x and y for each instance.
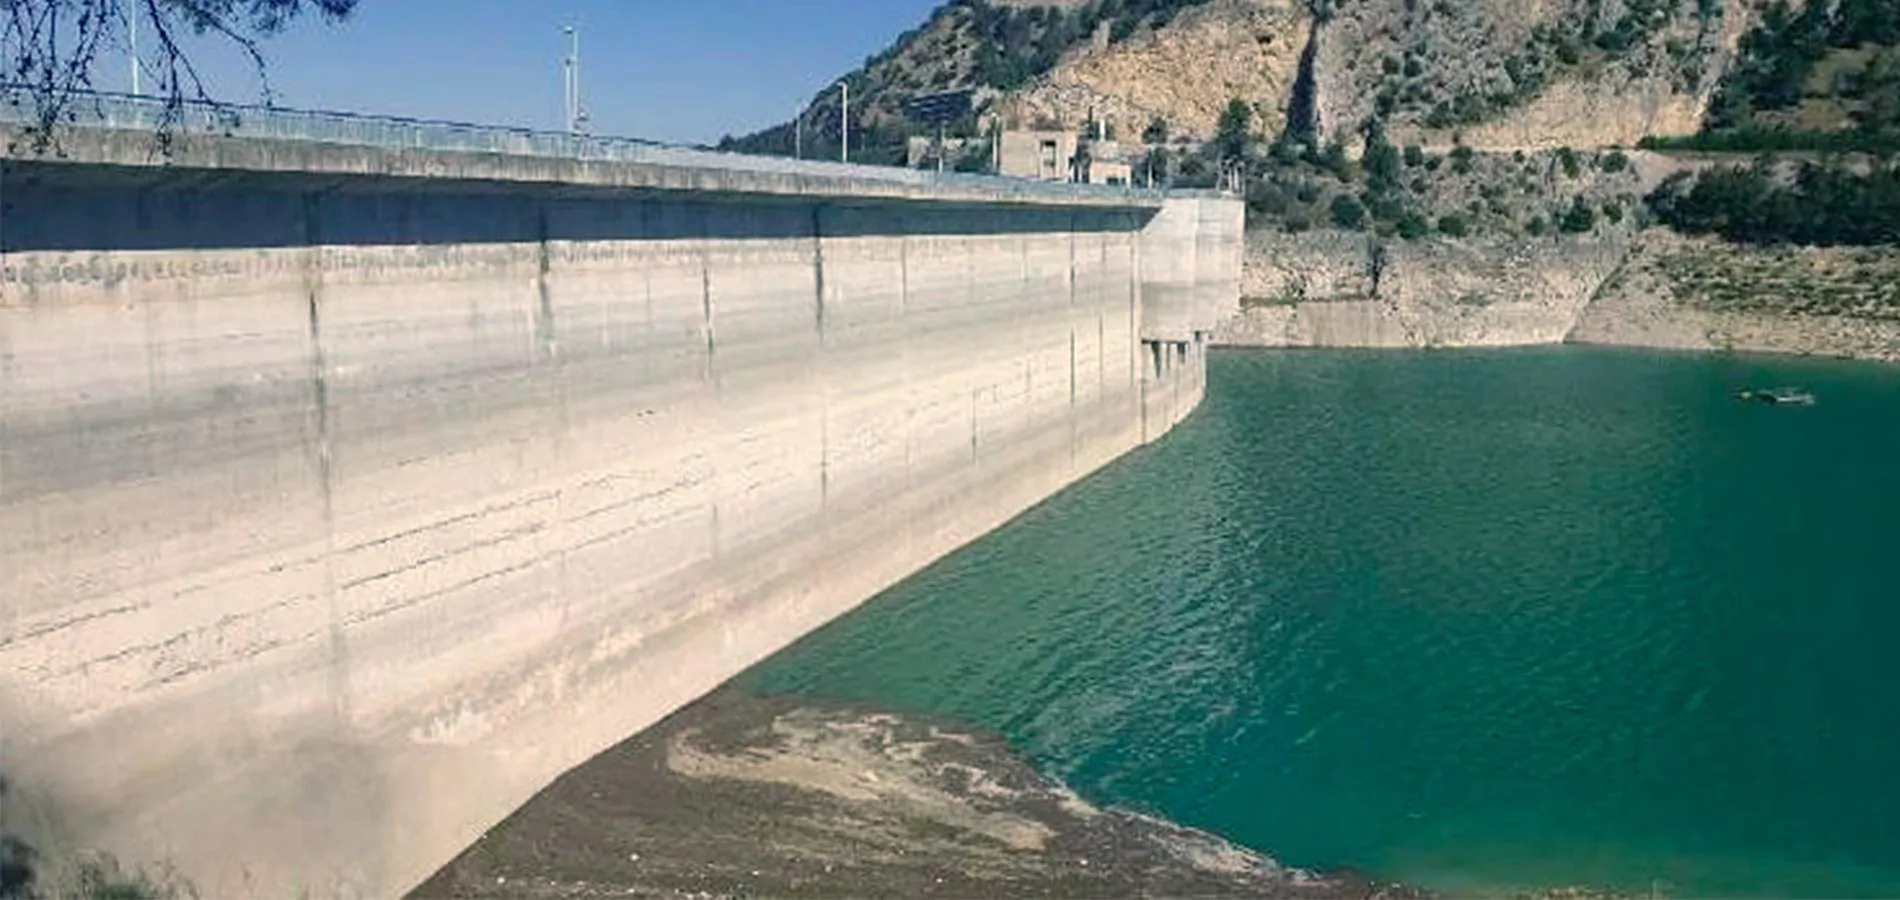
(341, 512)
(116, 208)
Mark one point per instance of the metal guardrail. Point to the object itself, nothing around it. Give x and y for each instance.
(129, 112)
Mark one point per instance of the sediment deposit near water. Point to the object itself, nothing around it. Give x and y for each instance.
(787, 797)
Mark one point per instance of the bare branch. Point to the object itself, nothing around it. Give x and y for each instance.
(48, 47)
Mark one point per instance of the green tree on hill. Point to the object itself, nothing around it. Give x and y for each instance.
(1878, 89)
(1572, 166)
(1859, 22)
(1348, 213)
(1824, 204)
(1776, 59)
(1156, 132)
(1413, 226)
(1580, 219)
(1234, 130)
(1382, 161)
(1334, 159)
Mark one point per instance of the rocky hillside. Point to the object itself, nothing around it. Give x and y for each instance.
(1656, 289)
(1184, 73)
(1829, 68)
(1506, 74)
(1703, 294)
(994, 47)
(1332, 289)
(1503, 74)
(1415, 192)
(1516, 74)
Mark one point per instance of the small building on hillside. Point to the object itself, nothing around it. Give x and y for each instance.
(1043, 155)
(1109, 162)
(1062, 156)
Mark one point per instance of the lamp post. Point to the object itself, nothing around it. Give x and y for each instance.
(567, 86)
(132, 30)
(844, 125)
(572, 88)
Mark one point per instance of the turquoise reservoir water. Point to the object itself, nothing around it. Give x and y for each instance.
(1478, 620)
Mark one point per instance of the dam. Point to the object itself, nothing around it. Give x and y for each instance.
(360, 476)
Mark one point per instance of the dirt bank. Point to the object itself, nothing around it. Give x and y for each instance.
(742, 796)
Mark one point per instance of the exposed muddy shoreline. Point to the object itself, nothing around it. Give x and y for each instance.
(738, 795)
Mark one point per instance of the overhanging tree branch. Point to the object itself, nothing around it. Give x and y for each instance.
(48, 47)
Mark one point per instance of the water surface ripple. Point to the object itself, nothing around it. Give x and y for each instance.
(1479, 620)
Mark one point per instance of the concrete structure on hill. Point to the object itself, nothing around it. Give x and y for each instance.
(358, 477)
(920, 152)
(1063, 156)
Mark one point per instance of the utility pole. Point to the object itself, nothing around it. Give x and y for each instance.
(132, 27)
(844, 126)
(572, 69)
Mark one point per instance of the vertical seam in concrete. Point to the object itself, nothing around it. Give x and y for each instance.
(1137, 385)
(973, 454)
(907, 356)
(550, 358)
(818, 264)
(824, 386)
(646, 325)
(712, 367)
(6, 367)
(1074, 436)
(1023, 315)
(326, 474)
(967, 264)
(1135, 286)
(702, 234)
(1174, 389)
(1101, 357)
(706, 314)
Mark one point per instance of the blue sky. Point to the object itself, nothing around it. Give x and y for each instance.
(677, 71)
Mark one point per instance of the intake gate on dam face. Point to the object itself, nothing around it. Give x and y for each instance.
(348, 494)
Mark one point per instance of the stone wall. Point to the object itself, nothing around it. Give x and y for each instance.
(341, 512)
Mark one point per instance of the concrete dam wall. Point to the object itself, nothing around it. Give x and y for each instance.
(348, 496)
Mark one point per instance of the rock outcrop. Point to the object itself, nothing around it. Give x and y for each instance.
(1509, 74)
(1704, 294)
(1343, 289)
(1656, 289)
(1185, 73)
(1500, 74)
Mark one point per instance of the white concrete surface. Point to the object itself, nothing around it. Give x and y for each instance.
(339, 517)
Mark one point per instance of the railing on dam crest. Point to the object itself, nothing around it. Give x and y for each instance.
(139, 113)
